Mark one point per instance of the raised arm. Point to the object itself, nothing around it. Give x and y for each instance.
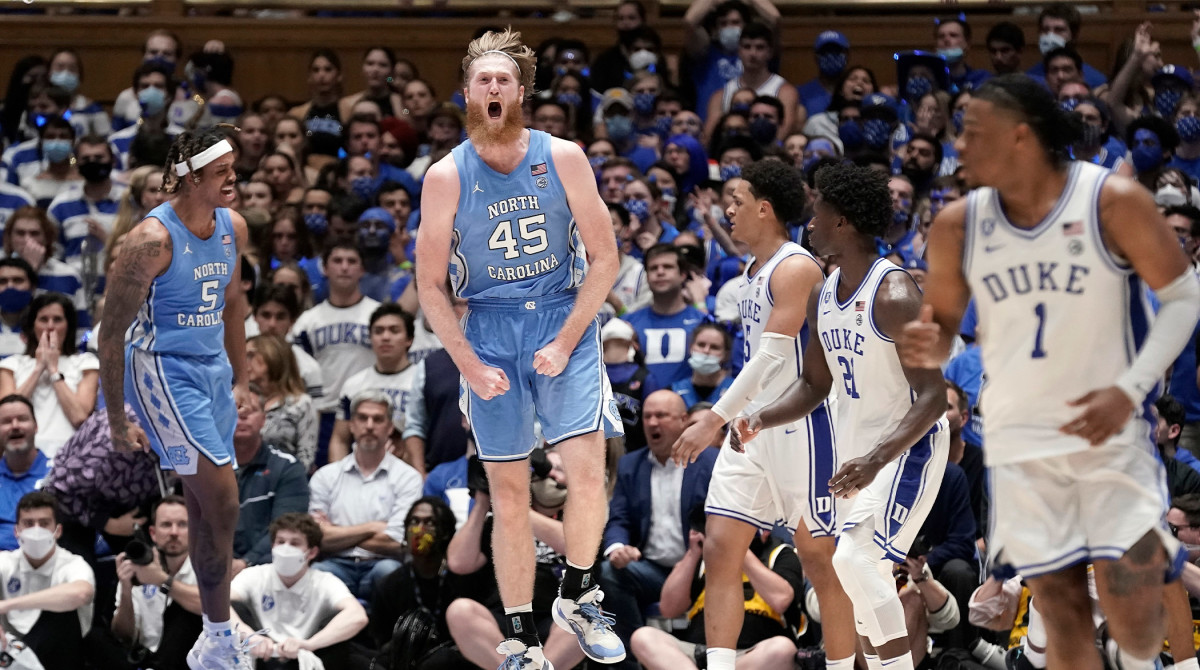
(145, 254)
(897, 302)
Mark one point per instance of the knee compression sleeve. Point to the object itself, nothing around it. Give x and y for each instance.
(878, 614)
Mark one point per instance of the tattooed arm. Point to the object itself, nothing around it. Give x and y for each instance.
(145, 254)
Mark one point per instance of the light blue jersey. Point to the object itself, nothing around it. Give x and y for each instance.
(182, 313)
(514, 235)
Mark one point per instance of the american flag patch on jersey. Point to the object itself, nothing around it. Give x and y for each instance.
(1073, 228)
(226, 239)
(535, 170)
(860, 305)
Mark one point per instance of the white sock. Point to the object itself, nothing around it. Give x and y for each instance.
(1037, 657)
(1128, 662)
(217, 628)
(721, 659)
(872, 661)
(847, 664)
(901, 662)
(1187, 664)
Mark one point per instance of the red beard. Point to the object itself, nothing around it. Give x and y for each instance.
(481, 130)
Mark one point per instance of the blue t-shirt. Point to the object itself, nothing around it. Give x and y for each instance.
(710, 73)
(1190, 167)
(814, 97)
(664, 342)
(687, 391)
(966, 370)
(514, 234)
(1091, 76)
(12, 487)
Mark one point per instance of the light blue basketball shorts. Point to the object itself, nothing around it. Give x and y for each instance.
(506, 333)
(185, 405)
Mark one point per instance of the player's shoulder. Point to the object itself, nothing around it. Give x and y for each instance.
(442, 173)
(896, 288)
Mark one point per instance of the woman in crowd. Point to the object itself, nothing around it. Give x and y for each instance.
(291, 423)
(282, 172)
(252, 144)
(709, 360)
(322, 119)
(58, 147)
(285, 240)
(66, 72)
(377, 66)
(61, 383)
(419, 102)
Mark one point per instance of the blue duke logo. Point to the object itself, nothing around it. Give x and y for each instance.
(14, 584)
(268, 603)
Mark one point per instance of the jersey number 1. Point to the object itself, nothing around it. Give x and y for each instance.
(1040, 312)
(502, 236)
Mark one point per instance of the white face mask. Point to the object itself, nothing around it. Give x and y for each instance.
(36, 542)
(642, 59)
(288, 560)
(1048, 42)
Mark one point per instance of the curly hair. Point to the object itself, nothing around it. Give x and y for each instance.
(188, 144)
(858, 193)
(779, 184)
(509, 43)
(443, 521)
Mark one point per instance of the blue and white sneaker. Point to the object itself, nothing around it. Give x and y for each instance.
(519, 657)
(587, 621)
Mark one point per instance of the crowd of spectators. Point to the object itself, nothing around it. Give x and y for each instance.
(364, 531)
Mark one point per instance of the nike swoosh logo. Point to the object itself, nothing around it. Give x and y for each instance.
(789, 432)
(990, 248)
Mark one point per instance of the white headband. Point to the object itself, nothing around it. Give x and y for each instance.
(506, 55)
(205, 157)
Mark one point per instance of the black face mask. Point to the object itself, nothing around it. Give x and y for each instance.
(95, 173)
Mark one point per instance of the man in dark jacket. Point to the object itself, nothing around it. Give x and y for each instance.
(647, 531)
(271, 483)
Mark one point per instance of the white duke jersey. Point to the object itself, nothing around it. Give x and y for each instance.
(339, 338)
(1059, 315)
(754, 307)
(873, 393)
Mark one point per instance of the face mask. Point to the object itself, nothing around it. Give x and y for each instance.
(548, 493)
(165, 63)
(900, 218)
(1188, 128)
(56, 151)
(876, 133)
(642, 59)
(619, 128)
(65, 79)
(917, 87)
(94, 173)
(1048, 42)
(36, 542)
(1166, 100)
(287, 560)
(419, 542)
(363, 187)
(14, 300)
(638, 209)
(730, 172)
(662, 126)
(901, 137)
(1069, 104)
(317, 223)
(1170, 196)
(152, 100)
(957, 121)
(570, 99)
(1146, 159)
(952, 55)
(596, 162)
(643, 103)
(763, 130)
(1093, 135)
(729, 37)
(704, 364)
(851, 135)
(831, 63)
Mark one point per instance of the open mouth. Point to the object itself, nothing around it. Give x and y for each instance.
(494, 110)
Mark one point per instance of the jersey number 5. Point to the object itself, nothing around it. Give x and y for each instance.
(502, 236)
(208, 291)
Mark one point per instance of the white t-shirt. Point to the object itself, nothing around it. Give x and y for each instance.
(20, 579)
(53, 426)
(296, 612)
(340, 339)
(396, 385)
(149, 604)
(424, 341)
